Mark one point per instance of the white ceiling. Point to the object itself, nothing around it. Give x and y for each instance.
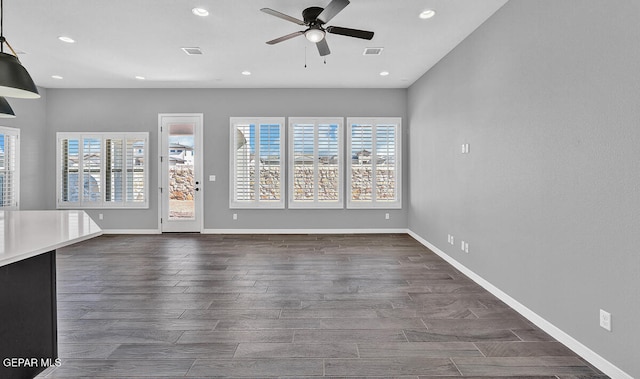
(119, 39)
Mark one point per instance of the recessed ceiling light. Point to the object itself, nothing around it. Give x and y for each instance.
(384, 73)
(66, 39)
(57, 77)
(200, 12)
(246, 73)
(427, 14)
(140, 77)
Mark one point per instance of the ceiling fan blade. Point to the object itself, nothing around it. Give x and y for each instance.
(332, 9)
(282, 16)
(323, 47)
(284, 38)
(350, 32)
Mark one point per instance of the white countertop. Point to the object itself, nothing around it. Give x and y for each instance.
(24, 234)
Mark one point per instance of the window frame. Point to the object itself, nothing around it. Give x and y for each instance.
(315, 203)
(15, 180)
(82, 203)
(374, 203)
(256, 203)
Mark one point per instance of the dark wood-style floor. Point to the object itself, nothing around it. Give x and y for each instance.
(193, 305)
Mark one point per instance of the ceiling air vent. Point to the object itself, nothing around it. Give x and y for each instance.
(373, 51)
(192, 50)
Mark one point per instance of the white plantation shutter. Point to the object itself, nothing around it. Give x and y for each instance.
(114, 169)
(136, 179)
(302, 169)
(315, 162)
(257, 162)
(9, 168)
(385, 187)
(68, 165)
(330, 162)
(91, 171)
(244, 168)
(104, 170)
(374, 171)
(361, 178)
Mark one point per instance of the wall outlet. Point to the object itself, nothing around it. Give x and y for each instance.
(449, 238)
(212, 178)
(605, 320)
(235, 216)
(466, 247)
(386, 216)
(101, 216)
(453, 240)
(462, 245)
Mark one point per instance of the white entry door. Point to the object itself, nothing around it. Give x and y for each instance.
(180, 172)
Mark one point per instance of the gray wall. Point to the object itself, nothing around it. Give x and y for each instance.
(31, 119)
(547, 95)
(137, 110)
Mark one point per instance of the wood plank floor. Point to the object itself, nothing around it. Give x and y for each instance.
(190, 305)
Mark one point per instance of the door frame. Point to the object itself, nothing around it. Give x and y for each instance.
(198, 142)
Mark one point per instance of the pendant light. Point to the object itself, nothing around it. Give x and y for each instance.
(5, 109)
(15, 81)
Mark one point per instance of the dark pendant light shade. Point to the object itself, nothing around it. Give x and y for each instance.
(5, 109)
(15, 81)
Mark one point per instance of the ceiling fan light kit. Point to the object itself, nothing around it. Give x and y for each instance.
(314, 19)
(314, 34)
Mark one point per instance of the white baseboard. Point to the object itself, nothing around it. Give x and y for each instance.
(131, 231)
(304, 231)
(265, 231)
(573, 344)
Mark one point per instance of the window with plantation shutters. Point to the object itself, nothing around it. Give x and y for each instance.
(374, 170)
(256, 162)
(102, 170)
(315, 162)
(9, 168)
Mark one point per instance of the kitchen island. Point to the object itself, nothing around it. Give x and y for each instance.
(28, 319)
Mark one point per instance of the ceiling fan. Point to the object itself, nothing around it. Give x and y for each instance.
(314, 19)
